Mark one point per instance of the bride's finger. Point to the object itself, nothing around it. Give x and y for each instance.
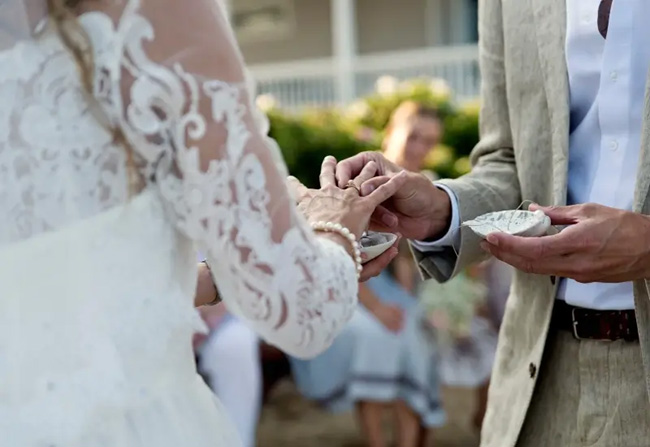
(387, 190)
(328, 172)
(298, 190)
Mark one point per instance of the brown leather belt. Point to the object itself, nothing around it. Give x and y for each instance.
(589, 324)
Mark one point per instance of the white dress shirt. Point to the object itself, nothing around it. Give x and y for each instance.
(607, 79)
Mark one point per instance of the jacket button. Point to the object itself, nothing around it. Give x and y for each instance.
(532, 369)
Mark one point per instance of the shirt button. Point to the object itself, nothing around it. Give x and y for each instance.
(613, 76)
(613, 145)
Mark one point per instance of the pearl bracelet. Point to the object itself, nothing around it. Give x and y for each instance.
(331, 227)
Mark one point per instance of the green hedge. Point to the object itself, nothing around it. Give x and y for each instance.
(306, 138)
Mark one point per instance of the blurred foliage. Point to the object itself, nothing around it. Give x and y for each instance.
(306, 138)
(306, 142)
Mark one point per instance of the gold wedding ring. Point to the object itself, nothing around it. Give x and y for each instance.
(351, 184)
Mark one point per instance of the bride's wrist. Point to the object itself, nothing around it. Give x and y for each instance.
(342, 236)
(207, 293)
(338, 239)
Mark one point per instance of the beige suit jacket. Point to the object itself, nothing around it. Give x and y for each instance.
(522, 155)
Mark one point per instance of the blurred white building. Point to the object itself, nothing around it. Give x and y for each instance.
(323, 52)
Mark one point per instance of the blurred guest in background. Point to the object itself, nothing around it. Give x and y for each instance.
(412, 132)
(385, 360)
(466, 313)
(497, 276)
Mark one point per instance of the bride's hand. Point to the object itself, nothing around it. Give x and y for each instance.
(346, 206)
(379, 264)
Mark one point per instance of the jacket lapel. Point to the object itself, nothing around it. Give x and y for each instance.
(550, 26)
(643, 172)
(641, 295)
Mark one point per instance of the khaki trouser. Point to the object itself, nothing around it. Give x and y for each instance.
(589, 393)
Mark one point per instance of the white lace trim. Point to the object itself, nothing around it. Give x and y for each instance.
(196, 141)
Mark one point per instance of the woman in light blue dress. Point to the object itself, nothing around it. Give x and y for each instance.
(386, 359)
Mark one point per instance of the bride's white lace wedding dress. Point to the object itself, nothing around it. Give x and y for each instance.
(97, 280)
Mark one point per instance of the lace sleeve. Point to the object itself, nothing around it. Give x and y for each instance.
(187, 111)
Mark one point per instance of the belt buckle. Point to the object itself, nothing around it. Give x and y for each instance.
(574, 324)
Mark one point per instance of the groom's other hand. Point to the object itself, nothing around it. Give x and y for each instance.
(419, 210)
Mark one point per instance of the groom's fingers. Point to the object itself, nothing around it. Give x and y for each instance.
(368, 172)
(383, 220)
(387, 190)
(297, 189)
(348, 169)
(372, 184)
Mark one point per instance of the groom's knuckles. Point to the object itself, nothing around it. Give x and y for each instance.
(351, 167)
(382, 193)
(589, 209)
(393, 185)
(367, 172)
(345, 169)
(372, 184)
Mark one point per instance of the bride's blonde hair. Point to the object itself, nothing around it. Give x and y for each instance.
(77, 41)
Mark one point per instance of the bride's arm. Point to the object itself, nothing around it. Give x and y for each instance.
(188, 112)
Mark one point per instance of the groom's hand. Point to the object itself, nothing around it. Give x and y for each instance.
(599, 244)
(419, 210)
(350, 168)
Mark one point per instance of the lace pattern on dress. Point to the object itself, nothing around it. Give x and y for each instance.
(180, 96)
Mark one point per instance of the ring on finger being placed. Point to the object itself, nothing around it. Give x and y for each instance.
(351, 184)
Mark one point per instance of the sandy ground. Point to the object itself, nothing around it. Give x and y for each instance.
(290, 421)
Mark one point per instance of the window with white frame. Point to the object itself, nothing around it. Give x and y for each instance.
(450, 22)
(473, 24)
(263, 20)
